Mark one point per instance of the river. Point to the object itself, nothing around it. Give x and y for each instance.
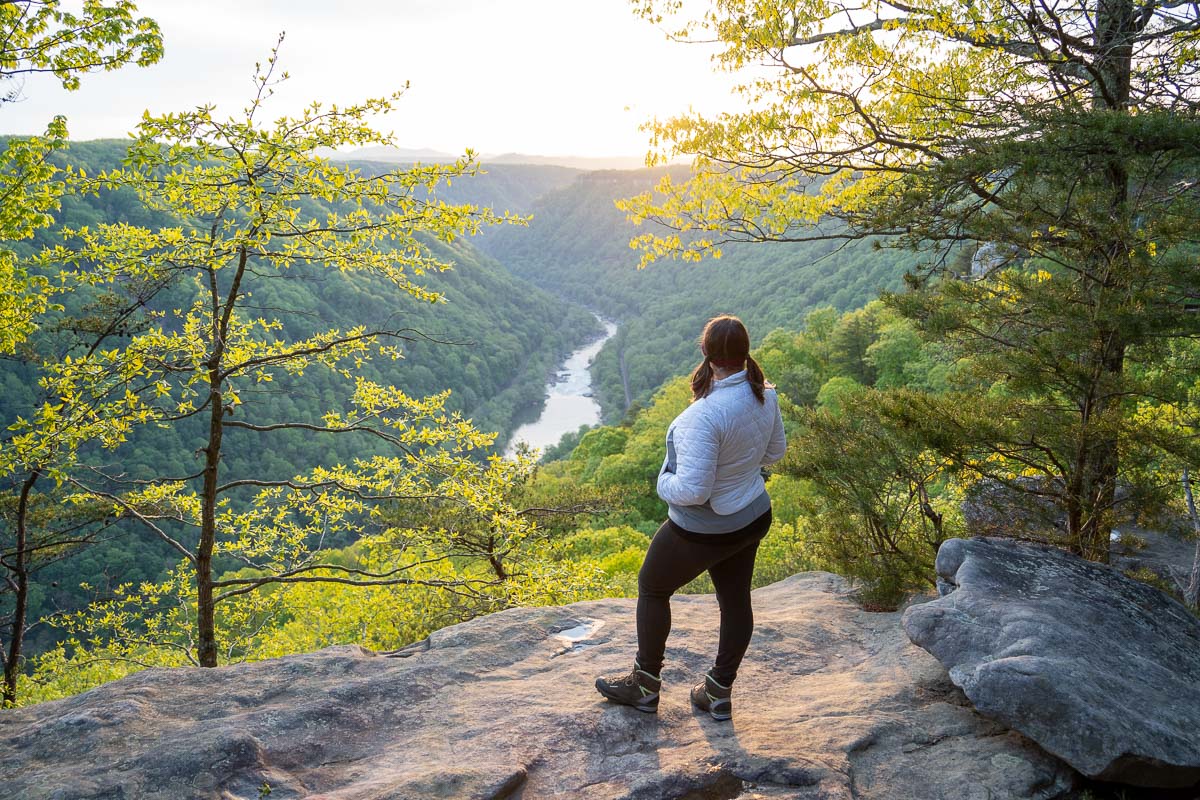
(569, 401)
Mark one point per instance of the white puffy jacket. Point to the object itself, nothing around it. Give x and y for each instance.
(717, 446)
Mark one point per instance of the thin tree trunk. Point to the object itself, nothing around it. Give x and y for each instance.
(494, 560)
(20, 579)
(1190, 587)
(930, 514)
(206, 629)
(206, 606)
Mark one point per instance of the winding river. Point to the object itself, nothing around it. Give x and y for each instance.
(569, 401)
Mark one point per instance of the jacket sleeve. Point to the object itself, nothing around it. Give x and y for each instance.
(691, 483)
(777, 446)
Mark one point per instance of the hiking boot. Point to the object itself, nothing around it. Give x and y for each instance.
(638, 689)
(714, 698)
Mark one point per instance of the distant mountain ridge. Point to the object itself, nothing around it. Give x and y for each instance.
(402, 155)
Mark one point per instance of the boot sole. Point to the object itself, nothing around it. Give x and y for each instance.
(621, 701)
(706, 705)
(719, 716)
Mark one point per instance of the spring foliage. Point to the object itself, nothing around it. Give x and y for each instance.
(41, 37)
(250, 202)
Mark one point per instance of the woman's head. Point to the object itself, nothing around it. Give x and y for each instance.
(725, 344)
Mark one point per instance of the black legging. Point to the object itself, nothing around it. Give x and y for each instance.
(677, 556)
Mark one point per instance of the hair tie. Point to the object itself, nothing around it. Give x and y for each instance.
(729, 363)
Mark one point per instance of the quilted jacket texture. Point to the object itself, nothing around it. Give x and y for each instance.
(718, 445)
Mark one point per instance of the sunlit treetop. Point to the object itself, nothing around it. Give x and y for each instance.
(847, 102)
(38, 36)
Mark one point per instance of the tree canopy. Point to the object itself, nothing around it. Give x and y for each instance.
(1055, 146)
(869, 112)
(40, 36)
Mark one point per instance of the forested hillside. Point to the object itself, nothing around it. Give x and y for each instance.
(577, 246)
(512, 187)
(491, 343)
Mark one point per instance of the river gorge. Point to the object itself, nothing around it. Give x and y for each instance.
(569, 401)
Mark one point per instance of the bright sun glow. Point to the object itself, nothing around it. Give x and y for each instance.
(554, 77)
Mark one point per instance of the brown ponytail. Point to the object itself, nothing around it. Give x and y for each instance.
(758, 381)
(702, 378)
(726, 343)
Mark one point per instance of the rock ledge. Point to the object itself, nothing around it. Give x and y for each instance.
(832, 703)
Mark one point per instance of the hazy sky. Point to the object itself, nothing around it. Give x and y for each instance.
(554, 77)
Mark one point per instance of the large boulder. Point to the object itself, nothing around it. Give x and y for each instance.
(1022, 509)
(1158, 552)
(1099, 669)
(832, 703)
(1028, 508)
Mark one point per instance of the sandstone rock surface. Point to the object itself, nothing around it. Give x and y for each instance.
(832, 703)
(1097, 668)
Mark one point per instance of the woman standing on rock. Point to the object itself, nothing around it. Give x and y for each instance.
(718, 512)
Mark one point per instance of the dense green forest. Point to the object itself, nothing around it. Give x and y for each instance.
(577, 246)
(491, 343)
